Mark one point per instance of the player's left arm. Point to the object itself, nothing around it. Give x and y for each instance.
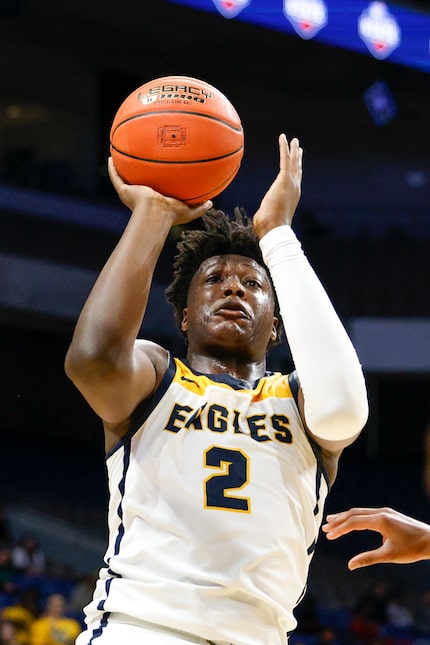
(330, 452)
(334, 404)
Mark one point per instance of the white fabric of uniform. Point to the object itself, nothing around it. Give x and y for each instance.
(336, 406)
(123, 632)
(216, 500)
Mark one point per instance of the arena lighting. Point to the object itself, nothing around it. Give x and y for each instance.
(380, 103)
(380, 29)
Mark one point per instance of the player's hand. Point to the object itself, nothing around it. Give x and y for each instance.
(144, 198)
(280, 202)
(404, 539)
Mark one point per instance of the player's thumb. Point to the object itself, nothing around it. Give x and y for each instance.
(365, 559)
(202, 208)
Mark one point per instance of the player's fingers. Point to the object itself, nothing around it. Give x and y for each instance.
(113, 174)
(111, 167)
(201, 209)
(294, 146)
(283, 142)
(296, 154)
(336, 518)
(291, 154)
(186, 213)
(368, 558)
(348, 524)
(284, 151)
(300, 156)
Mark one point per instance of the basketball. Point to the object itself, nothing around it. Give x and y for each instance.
(180, 136)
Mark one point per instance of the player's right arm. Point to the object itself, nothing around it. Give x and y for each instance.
(112, 369)
(404, 539)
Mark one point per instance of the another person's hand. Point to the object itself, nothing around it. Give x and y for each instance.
(280, 202)
(404, 539)
(145, 197)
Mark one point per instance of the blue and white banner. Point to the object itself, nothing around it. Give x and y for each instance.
(380, 29)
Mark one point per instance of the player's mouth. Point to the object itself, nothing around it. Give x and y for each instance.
(232, 310)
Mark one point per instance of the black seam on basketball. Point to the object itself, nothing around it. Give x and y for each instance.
(190, 112)
(160, 161)
(220, 186)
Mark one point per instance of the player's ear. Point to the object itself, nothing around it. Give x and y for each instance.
(184, 322)
(274, 334)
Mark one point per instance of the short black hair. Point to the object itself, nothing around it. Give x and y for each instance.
(221, 234)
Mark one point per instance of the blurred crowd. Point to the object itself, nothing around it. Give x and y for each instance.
(380, 615)
(40, 602)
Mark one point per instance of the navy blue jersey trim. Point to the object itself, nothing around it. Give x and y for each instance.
(311, 548)
(99, 630)
(144, 409)
(302, 595)
(121, 487)
(317, 491)
(320, 462)
(293, 382)
(121, 530)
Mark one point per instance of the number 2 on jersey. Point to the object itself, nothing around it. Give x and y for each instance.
(232, 475)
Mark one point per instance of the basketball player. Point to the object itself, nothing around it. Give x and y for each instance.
(218, 471)
(404, 539)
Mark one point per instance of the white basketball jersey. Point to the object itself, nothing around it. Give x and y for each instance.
(216, 500)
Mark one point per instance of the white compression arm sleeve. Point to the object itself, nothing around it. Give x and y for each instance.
(329, 371)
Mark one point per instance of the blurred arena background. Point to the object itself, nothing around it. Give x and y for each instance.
(364, 220)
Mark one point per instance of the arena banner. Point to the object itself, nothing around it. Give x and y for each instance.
(384, 30)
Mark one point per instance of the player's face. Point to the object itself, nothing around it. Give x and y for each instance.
(230, 308)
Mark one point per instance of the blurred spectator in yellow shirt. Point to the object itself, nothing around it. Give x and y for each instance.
(54, 627)
(7, 633)
(23, 613)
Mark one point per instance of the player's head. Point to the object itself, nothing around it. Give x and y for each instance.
(221, 234)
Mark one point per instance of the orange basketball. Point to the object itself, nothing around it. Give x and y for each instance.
(179, 135)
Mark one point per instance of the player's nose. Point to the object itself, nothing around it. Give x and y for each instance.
(233, 287)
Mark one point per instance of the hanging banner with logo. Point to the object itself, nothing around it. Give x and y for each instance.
(384, 30)
(231, 8)
(308, 17)
(379, 30)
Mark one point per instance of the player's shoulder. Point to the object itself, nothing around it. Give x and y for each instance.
(157, 355)
(149, 346)
(155, 352)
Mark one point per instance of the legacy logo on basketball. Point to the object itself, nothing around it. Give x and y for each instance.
(169, 92)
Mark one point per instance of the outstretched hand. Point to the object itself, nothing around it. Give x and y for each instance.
(404, 539)
(280, 202)
(133, 196)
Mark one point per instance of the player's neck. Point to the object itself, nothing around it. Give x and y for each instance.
(245, 370)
